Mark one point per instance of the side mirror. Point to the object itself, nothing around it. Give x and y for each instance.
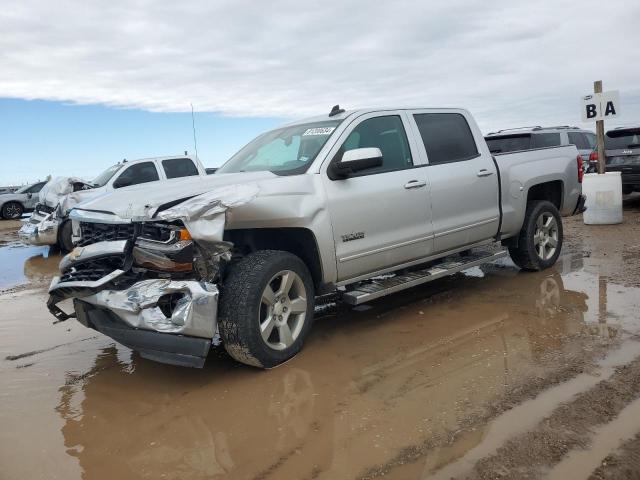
(29, 195)
(356, 160)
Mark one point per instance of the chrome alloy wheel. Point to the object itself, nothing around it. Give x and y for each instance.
(13, 211)
(283, 310)
(545, 237)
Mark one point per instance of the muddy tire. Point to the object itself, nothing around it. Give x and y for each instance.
(64, 237)
(266, 308)
(540, 239)
(12, 210)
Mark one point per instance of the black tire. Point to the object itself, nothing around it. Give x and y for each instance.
(241, 309)
(526, 254)
(64, 236)
(12, 210)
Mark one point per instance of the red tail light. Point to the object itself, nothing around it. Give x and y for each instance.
(593, 156)
(580, 168)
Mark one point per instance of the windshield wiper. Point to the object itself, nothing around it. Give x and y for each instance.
(633, 145)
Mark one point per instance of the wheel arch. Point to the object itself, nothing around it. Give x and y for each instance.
(552, 191)
(299, 241)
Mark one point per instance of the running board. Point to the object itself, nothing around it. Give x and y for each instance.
(376, 288)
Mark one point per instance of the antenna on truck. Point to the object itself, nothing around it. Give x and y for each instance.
(193, 124)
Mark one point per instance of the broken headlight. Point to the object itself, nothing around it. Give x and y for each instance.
(172, 252)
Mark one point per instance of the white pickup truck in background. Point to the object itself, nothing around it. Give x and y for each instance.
(359, 204)
(48, 224)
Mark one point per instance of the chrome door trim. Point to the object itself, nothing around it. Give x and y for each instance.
(466, 227)
(384, 249)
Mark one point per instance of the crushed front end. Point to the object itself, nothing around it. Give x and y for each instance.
(146, 284)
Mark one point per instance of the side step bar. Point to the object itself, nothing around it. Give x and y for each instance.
(376, 288)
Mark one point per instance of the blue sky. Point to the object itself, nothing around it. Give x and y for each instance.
(45, 137)
(85, 84)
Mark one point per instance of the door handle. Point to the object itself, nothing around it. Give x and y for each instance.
(414, 184)
(484, 173)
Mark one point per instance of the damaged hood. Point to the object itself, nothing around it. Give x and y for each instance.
(60, 191)
(143, 201)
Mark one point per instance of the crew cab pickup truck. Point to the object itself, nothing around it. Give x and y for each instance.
(357, 204)
(49, 223)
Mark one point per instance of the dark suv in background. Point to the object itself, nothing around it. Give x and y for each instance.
(622, 154)
(528, 138)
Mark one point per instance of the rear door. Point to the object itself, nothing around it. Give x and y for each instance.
(381, 217)
(463, 178)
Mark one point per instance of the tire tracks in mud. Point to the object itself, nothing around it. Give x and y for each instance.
(556, 447)
(603, 388)
(624, 463)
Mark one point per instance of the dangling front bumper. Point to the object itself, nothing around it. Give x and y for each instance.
(170, 321)
(40, 229)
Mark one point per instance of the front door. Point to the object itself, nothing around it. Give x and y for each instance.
(381, 217)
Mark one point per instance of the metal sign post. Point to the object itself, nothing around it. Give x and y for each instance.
(597, 88)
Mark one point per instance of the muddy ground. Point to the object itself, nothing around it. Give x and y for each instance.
(493, 373)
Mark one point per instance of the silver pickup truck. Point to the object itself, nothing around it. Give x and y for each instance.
(358, 204)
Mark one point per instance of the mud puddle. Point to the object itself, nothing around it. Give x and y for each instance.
(23, 264)
(467, 372)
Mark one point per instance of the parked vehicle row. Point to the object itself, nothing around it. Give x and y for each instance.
(622, 147)
(358, 204)
(49, 223)
(526, 138)
(14, 205)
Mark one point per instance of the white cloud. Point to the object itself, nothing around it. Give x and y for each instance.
(510, 62)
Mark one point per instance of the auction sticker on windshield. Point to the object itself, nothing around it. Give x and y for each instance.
(319, 131)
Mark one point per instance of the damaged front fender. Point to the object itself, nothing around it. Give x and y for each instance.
(204, 215)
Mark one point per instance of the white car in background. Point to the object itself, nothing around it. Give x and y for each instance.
(48, 225)
(13, 205)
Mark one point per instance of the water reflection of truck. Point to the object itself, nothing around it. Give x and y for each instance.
(334, 412)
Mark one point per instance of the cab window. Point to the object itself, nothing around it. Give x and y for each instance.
(179, 167)
(446, 137)
(386, 133)
(143, 172)
(35, 188)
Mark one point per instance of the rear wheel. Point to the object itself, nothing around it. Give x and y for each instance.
(540, 239)
(266, 308)
(12, 210)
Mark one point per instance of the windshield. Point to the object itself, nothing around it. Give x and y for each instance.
(23, 189)
(622, 139)
(509, 143)
(285, 151)
(102, 179)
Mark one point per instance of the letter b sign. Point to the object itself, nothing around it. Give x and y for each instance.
(600, 106)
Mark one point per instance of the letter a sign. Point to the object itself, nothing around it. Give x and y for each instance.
(601, 106)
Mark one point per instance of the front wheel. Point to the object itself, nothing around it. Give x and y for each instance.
(65, 233)
(266, 308)
(540, 239)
